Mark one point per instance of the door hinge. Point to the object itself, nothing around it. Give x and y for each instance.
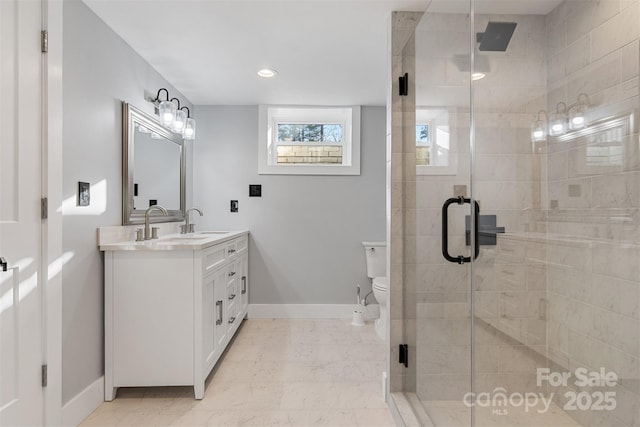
(404, 355)
(44, 41)
(403, 85)
(44, 375)
(44, 208)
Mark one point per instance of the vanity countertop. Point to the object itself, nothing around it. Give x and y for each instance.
(172, 242)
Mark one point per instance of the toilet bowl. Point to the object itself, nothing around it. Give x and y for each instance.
(376, 259)
(380, 291)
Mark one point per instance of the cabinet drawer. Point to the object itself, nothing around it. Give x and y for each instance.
(231, 249)
(232, 274)
(213, 257)
(232, 316)
(232, 292)
(241, 244)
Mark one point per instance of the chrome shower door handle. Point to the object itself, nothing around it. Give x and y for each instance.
(460, 259)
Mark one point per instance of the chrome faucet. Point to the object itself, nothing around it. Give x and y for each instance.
(188, 227)
(147, 234)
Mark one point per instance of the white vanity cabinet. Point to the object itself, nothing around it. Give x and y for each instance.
(171, 310)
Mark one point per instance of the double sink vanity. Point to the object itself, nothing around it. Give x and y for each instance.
(172, 301)
(171, 307)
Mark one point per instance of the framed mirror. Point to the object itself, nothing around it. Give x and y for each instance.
(153, 168)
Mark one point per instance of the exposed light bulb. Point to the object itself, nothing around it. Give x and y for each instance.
(190, 129)
(167, 112)
(558, 120)
(179, 122)
(577, 121)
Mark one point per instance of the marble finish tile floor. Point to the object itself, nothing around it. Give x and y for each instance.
(276, 372)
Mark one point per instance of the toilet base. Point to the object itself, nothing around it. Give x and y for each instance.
(380, 326)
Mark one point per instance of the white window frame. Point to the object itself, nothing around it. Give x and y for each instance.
(270, 116)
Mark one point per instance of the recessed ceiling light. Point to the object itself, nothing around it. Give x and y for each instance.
(267, 73)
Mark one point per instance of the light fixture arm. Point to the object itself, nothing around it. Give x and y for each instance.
(158, 95)
(177, 100)
(544, 113)
(584, 95)
(188, 111)
(564, 108)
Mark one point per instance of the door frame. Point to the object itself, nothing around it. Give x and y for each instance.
(52, 227)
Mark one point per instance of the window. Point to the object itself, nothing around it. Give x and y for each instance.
(435, 149)
(309, 140)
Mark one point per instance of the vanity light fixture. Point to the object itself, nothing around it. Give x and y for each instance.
(189, 126)
(267, 73)
(172, 115)
(539, 127)
(558, 120)
(578, 111)
(166, 109)
(180, 120)
(563, 120)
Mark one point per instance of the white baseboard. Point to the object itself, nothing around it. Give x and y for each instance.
(83, 404)
(301, 311)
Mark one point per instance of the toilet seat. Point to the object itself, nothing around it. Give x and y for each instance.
(380, 284)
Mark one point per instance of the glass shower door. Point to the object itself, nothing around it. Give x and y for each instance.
(530, 111)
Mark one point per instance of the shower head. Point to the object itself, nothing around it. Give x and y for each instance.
(496, 37)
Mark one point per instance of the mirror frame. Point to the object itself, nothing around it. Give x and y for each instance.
(130, 117)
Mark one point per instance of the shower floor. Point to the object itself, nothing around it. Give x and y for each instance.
(456, 414)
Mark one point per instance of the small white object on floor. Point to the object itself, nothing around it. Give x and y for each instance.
(358, 318)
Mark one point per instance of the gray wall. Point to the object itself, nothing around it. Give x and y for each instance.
(100, 70)
(306, 231)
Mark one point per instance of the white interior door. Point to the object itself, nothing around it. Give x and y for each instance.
(21, 308)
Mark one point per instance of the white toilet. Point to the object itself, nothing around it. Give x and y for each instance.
(376, 256)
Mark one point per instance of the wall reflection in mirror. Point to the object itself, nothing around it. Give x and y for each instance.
(156, 176)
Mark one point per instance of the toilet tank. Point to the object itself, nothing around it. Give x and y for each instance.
(376, 256)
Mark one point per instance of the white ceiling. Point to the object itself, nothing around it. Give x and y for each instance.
(327, 52)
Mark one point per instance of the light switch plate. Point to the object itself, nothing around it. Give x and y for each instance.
(84, 194)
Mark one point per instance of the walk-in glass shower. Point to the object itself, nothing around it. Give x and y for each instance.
(515, 213)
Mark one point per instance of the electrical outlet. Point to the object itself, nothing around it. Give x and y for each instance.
(234, 206)
(255, 190)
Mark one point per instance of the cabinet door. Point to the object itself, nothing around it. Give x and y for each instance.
(209, 319)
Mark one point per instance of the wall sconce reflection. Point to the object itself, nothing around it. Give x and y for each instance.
(562, 120)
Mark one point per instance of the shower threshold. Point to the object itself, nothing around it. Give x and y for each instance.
(414, 412)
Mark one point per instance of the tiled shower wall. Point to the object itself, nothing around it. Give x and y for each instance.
(594, 294)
